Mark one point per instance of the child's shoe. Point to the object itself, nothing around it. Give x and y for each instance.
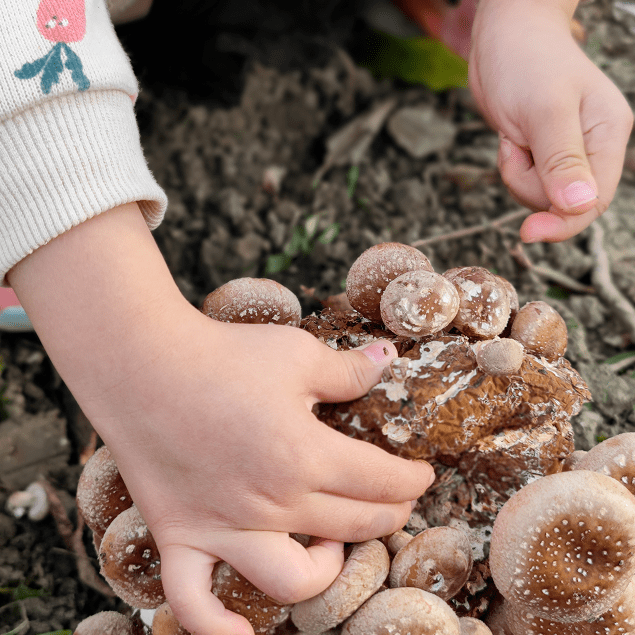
(13, 317)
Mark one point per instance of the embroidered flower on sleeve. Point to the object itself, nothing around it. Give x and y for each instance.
(62, 22)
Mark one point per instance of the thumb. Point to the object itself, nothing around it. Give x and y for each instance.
(558, 149)
(351, 374)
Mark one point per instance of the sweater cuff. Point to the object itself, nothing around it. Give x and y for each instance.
(66, 161)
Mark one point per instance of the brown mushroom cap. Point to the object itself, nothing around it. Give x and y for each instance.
(374, 269)
(164, 622)
(240, 596)
(101, 493)
(563, 547)
(403, 611)
(109, 623)
(363, 573)
(484, 302)
(419, 303)
(571, 461)
(541, 330)
(394, 542)
(437, 560)
(614, 457)
(499, 356)
(470, 626)
(253, 301)
(514, 304)
(130, 561)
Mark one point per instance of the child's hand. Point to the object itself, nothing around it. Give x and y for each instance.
(563, 124)
(210, 423)
(223, 457)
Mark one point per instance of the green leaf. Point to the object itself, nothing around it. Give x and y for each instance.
(557, 293)
(417, 60)
(329, 234)
(277, 263)
(351, 180)
(619, 357)
(58, 633)
(299, 242)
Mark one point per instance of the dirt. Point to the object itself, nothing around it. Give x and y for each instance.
(238, 115)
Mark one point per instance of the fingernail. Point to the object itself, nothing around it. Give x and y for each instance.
(333, 545)
(505, 149)
(413, 503)
(378, 352)
(578, 193)
(433, 475)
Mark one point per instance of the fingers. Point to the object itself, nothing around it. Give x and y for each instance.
(186, 574)
(555, 226)
(346, 375)
(365, 472)
(280, 566)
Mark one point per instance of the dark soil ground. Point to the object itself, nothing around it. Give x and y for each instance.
(238, 116)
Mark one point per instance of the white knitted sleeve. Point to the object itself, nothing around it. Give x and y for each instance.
(69, 143)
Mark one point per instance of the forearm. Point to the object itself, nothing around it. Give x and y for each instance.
(95, 296)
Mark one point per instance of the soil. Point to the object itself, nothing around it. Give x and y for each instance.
(238, 113)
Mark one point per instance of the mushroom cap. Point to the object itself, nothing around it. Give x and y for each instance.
(164, 622)
(394, 542)
(470, 626)
(437, 560)
(571, 461)
(484, 307)
(362, 575)
(563, 547)
(499, 356)
(370, 274)
(253, 301)
(418, 303)
(240, 596)
(403, 611)
(614, 457)
(101, 493)
(541, 330)
(109, 623)
(514, 304)
(130, 561)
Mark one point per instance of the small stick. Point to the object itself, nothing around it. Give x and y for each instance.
(73, 541)
(477, 229)
(601, 279)
(623, 364)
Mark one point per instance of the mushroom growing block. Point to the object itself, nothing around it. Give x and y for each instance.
(563, 547)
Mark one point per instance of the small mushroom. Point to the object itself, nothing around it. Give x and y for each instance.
(33, 502)
(499, 356)
(403, 611)
(470, 626)
(563, 547)
(370, 274)
(396, 541)
(240, 596)
(484, 308)
(101, 493)
(253, 301)
(165, 623)
(614, 457)
(364, 571)
(130, 561)
(418, 303)
(541, 330)
(109, 623)
(571, 461)
(437, 560)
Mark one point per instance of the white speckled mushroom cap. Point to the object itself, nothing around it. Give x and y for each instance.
(108, 623)
(563, 547)
(403, 611)
(363, 573)
(614, 457)
(253, 301)
(418, 303)
(541, 330)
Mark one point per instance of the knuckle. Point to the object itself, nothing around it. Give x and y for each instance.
(293, 586)
(564, 160)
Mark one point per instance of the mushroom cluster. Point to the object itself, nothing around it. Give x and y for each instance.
(480, 388)
(563, 549)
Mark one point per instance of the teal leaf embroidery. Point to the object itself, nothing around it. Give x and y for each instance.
(51, 67)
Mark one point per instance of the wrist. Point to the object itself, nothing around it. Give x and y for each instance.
(95, 294)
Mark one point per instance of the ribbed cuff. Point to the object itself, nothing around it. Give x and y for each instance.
(66, 161)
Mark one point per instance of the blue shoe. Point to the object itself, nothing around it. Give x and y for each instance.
(13, 317)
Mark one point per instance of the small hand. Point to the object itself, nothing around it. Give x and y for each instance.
(563, 124)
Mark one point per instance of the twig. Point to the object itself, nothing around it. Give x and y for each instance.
(477, 229)
(601, 279)
(623, 364)
(73, 541)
